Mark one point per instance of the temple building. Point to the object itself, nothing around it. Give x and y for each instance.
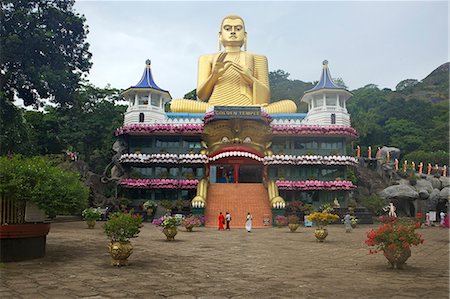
(239, 154)
(307, 158)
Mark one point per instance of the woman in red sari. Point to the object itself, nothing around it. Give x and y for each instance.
(221, 221)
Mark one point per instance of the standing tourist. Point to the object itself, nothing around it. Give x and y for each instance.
(227, 219)
(248, 223)
(442, 216)
(221, 221)
(348, 223)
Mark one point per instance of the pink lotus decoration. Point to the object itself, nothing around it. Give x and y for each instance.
(314, 130)
(147, 129)
(309, 160)
(159, 183)
(315, 185)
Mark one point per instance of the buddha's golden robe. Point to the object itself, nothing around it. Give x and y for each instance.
(231, 89)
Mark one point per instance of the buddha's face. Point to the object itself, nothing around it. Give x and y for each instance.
(232, 32)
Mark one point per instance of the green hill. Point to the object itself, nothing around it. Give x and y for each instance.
(414, 117)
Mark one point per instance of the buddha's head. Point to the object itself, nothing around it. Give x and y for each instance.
(232, 32)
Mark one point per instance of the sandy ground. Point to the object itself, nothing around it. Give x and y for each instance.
(267, 263)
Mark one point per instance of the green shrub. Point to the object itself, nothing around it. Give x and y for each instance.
(91, 214)
(121, 227)
(52, 189)
(374, 203)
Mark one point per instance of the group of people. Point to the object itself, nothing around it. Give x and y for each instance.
(225, 220)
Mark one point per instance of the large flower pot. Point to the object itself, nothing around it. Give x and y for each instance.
(293, 226)
(120, 251)
(170, 233)
(321, 234)
(90, 223)
(397, 257)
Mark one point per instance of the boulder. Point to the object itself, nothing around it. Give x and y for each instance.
(433, 199)
(436, 183)
(423, 194)
(444, 194)
(399, 192)
(423, 185)
(445, 181)
(393, 152)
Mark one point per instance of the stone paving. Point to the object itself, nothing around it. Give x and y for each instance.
(266, 263)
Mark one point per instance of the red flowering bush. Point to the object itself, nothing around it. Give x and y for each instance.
(388, 219)
(394, 237)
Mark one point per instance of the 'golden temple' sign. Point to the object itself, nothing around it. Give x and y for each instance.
(227, 112)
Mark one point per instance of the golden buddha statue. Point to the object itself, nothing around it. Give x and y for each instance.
(233, 77)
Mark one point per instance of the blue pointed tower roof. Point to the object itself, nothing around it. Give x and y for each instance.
(147, 79)
(325, 81)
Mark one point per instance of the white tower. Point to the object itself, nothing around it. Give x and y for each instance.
(146, 100)
(326, 102)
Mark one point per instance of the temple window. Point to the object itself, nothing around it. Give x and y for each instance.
(331, 101)
(318, 103)
(333, 119)
(141, 117)
(143, 101)
(341, 103)
(165, 143)
(155, 100)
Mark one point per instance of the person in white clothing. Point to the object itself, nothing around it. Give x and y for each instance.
(442, 216)
(248, 223)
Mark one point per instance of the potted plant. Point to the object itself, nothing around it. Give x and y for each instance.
(150, 207)
(395, 240)
(190, 222)
(281, 221)
(32, 189)
(120, 228)
(91, 215)
(353, 221)
(321, 219)
(293, 222)
(169, 225)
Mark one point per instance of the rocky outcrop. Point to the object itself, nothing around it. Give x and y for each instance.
(426, 195)
(445, 181)
(444, 194)
(394, 152)
(399, 192)
(435, 182)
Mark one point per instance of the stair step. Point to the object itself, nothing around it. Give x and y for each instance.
(238, 200)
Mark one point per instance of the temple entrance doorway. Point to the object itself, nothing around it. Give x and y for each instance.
(235, 173)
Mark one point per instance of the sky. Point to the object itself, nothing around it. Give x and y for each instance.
(365, 42)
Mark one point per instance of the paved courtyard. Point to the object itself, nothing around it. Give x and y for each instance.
(267, 263)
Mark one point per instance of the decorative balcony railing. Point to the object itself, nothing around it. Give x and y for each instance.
(315, 185)
(164, 128)
(164, 158)
(310, 160)
(315, 130)
(159, 184)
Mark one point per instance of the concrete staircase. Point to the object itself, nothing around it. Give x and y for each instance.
(238, 200)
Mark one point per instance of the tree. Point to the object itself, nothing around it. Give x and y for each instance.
(14, 131)
(277, 77)
(192, 95)
(281, 87)
(340, 82)
(402, 85)
(44, 52)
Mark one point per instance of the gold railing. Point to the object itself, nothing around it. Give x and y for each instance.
(11, 212)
